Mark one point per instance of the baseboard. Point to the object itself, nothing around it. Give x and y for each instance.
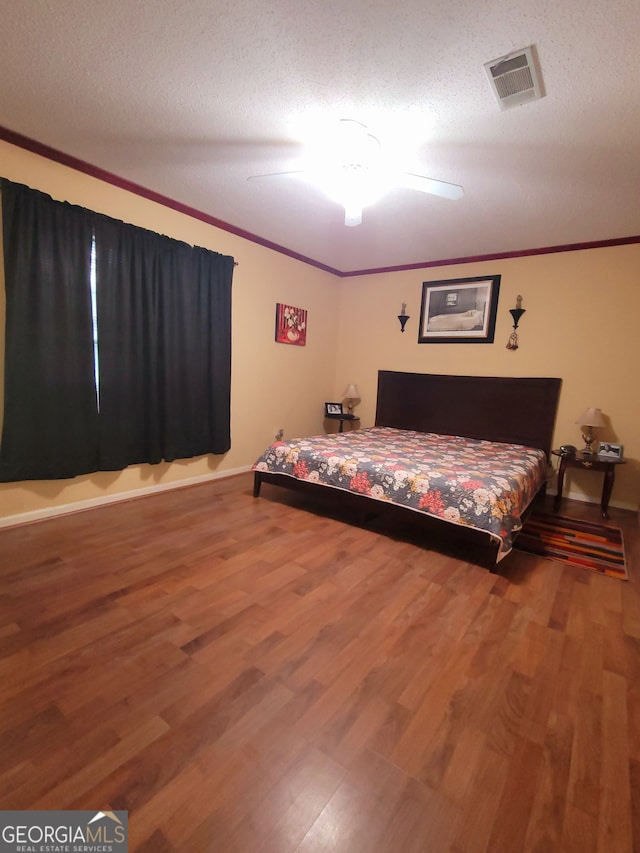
(585, 499)
(93, 503)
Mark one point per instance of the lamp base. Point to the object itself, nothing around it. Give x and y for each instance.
(588, 438)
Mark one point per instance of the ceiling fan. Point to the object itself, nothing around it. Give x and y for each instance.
(351, 168)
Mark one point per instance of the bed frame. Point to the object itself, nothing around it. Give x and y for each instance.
(495, 408)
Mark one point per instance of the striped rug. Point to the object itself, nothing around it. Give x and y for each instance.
(597, 547)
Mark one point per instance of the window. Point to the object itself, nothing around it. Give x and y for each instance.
(118, 346)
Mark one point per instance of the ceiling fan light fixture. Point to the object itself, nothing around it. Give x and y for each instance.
(349, 166)
(352, 144)
(353, 215)
(353, 187)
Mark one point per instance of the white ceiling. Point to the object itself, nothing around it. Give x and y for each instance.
(190, 98)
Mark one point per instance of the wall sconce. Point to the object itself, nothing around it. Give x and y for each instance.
(403, 316)
(516, 313)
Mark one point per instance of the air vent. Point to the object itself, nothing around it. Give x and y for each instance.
(514, 78)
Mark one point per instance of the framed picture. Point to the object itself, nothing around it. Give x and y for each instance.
(332, 409)
(291, 325)
(459, 311)
(610, 451)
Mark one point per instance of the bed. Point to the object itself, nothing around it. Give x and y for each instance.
(458, 454)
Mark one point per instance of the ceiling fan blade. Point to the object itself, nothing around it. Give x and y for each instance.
(275, 175)
(430, 185)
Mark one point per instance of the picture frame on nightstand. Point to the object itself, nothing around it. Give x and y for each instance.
(333, 409)
(607, 450)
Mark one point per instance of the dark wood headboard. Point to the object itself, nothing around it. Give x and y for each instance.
(496, 408)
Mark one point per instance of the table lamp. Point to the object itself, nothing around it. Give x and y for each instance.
(589, 419)
(351, 395)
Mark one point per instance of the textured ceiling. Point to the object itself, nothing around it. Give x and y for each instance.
(189, 99)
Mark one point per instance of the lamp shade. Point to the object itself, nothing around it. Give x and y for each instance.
(592, 418)
(351, 393)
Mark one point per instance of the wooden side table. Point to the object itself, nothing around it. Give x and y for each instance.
(351, 419)
(590, 462)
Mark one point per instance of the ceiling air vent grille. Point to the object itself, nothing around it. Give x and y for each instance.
(514, 78)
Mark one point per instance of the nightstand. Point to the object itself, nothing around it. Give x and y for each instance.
(350, 419)
(590, 462)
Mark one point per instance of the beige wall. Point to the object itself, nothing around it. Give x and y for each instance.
(273, 385)
(580, 325)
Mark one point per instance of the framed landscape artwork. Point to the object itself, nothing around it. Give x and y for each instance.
(459, 311)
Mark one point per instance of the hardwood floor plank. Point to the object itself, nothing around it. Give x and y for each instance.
(73, 788)
(422, 819)
(60, 762)
(633, 705)
(580, 831)
(634, 772)
(546, 821)
(562, 601)
(479, 809)
(586, 756)
(514, 808)
(540, 703)
(251, 676)
(348, 822)
(161, 809)
(301, 793)
(615, 827)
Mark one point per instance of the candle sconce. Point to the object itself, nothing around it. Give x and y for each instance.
(516, 313)
(403, 316)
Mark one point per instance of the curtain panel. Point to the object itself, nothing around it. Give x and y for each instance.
(161, 387)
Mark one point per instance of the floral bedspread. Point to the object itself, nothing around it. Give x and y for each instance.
(481, 484)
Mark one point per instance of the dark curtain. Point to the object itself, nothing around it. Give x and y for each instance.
(164, 343)
(50, 426)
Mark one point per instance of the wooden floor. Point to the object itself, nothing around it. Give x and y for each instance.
(243, 675)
